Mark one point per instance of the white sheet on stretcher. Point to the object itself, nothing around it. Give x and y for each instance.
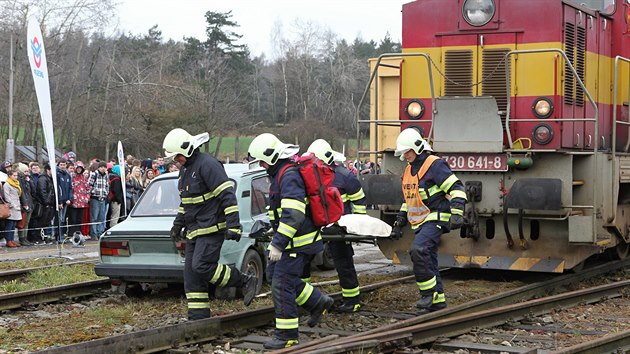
(364, 225)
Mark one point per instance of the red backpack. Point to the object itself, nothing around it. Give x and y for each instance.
(324, 200)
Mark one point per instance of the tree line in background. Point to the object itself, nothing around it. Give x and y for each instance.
(135, 88)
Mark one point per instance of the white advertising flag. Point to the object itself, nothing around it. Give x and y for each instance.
(121, 163)
(39, 68)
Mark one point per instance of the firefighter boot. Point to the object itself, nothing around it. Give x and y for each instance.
(426, 300)
(437, 303)
(249, 284)
(349, 306)
(278, 343)
(322, 306)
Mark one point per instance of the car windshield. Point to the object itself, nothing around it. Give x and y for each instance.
(161, 198)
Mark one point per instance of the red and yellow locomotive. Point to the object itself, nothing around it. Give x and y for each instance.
(528, 102)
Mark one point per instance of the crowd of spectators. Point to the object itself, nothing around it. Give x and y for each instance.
(90, 196)
(90, 199)
(363, 167)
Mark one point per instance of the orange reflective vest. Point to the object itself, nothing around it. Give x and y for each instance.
(416, 210)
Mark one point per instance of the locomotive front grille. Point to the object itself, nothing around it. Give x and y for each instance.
(569, 46)
(458, 68)
(575, 48)
(580, 58)
(494, 78)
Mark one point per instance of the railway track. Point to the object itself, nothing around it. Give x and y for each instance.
(387, 341)
(9, 275)
(52, 294)
(403, 332)
(189, 333)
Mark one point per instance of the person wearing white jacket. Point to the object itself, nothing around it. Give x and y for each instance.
(12, 192)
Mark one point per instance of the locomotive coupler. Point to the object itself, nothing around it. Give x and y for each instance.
(471, 221)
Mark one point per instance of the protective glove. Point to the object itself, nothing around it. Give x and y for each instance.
(396, 232)
(274, 254)
(176, 233)
(401, 221)
(455, 222)
(233, 234)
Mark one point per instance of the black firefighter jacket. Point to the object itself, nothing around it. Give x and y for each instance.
(208, 203)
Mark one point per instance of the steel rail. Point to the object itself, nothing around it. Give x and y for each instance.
(617, 343)
(428, 332)
(505, 298)
(9, 275)
(187, 333)
(55, 293)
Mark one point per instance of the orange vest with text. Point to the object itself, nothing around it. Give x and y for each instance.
(416, 210)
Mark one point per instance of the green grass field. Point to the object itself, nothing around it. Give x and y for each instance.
(228, 144)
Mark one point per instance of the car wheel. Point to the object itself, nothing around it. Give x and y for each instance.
(327, 260)
(252, 264)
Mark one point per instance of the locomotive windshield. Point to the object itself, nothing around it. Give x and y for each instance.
(606, 7)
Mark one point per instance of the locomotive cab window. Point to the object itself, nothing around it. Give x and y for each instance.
(605, 7)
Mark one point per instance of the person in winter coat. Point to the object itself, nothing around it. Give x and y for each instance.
(134, 188)
(99, 199)
(27, 201)
(64, 185)
(33, 233)
(45, 197)
(116, 197)
(12, 193)
(80, 199)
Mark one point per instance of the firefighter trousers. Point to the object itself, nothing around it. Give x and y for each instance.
(424, 255)
(342, 253)
(289, 292)
(202, 269)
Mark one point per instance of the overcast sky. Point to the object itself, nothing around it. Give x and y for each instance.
(369, 19)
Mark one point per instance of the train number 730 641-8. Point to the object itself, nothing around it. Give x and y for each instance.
(477, 162)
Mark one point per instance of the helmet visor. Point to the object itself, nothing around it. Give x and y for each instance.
(338, 157)
(289, 150)
(254, 165)
(401, 151)
(169, 155)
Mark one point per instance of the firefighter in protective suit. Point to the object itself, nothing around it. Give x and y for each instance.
(434, 204)
(209, 215)
(295, 240)
(354, 203)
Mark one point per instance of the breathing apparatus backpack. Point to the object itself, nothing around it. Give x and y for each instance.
(324, 200)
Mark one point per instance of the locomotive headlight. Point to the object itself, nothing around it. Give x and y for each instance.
(542, 107)
(478, 12)
(542, 134)
(414, 109)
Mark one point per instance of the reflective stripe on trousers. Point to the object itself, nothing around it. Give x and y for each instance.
(288, 289)
(342, 254)
(201, 268)
(424, 251)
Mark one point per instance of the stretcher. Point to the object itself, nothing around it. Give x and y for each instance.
(357, 228)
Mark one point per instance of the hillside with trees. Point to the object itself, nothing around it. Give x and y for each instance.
(135, 88)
